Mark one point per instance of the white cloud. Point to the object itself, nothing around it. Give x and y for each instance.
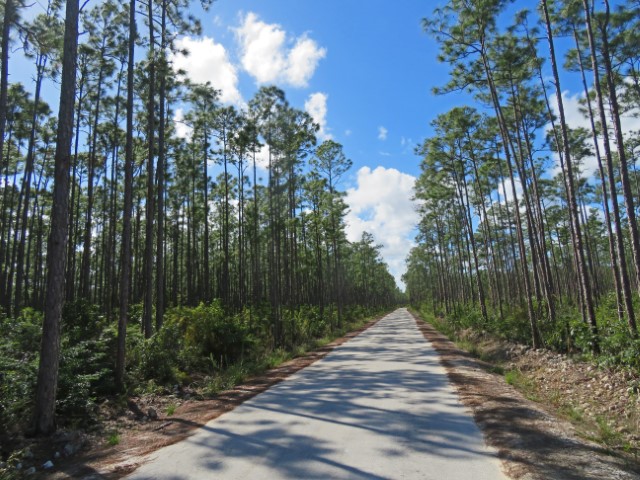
(382, 205)
(262, 157)
(575, 119)
(182, 129)
(302, 61)
(265, 56)
(505, 191)
(382, 133)
(347, 133)
(407, 145)
(207, 61)
(316, 106)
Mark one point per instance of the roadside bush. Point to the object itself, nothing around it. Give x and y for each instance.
(198, 338)
(303, 325)
(569, 333)
(212, 333)
(86, 360)
(156, 357)
(19, 353)
(617, 345)
(86, 352)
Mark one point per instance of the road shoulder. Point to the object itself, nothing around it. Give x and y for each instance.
(136, 444)
(532, 443)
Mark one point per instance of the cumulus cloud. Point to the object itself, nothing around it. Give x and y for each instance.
(265, 55)
(182, 129)
(505, 191)
(382, 133)
(262, 157)
(316, 106)
(207, 61)
(382, 205)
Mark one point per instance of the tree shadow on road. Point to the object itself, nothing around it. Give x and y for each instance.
(383, 384)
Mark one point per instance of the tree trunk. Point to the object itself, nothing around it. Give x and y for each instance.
(622, 157)
(47, 383)
(149, 206)
(611, 172)
(583, 275)
(161, 174)
(125, 270)
(26, 189)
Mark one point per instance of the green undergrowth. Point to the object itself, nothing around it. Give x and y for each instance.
(523, 383)
(567, 334)
(234, 374)
(203, 347)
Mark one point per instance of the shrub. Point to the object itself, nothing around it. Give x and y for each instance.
(156, 357)
(86, 359)
(211, 332)
(19, 354)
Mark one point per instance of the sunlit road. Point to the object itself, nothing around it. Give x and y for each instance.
(379, 406)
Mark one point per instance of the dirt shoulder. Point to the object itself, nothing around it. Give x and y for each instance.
(140, 437)
(532, 443)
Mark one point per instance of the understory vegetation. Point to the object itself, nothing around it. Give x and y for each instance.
(568, 334)
(202, 347)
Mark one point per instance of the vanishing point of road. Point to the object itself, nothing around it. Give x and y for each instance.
(377, 407)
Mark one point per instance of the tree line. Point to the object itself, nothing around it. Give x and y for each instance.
(107, 204)
(514, 236)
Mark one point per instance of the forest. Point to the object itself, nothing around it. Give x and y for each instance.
(134, 255)
(529, 227)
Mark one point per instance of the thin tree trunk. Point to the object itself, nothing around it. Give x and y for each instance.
(4, 93)
(583, 274)
(125, 270)
(161, 174)
(149, 206)
(611, 172)
(622, 157)
(26, 183)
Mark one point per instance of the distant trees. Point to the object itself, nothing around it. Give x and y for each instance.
(498, 232)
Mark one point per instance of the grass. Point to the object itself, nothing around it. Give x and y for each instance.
(512, 377)
(171, 409)
(522, 383)
(469, 346)
(606, 434)
(572, 413)
(113, 439)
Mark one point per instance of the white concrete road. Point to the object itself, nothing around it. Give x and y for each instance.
(378, 407)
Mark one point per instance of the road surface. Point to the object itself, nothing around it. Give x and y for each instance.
(378, 407)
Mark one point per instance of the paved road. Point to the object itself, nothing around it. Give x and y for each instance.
(378, 407)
